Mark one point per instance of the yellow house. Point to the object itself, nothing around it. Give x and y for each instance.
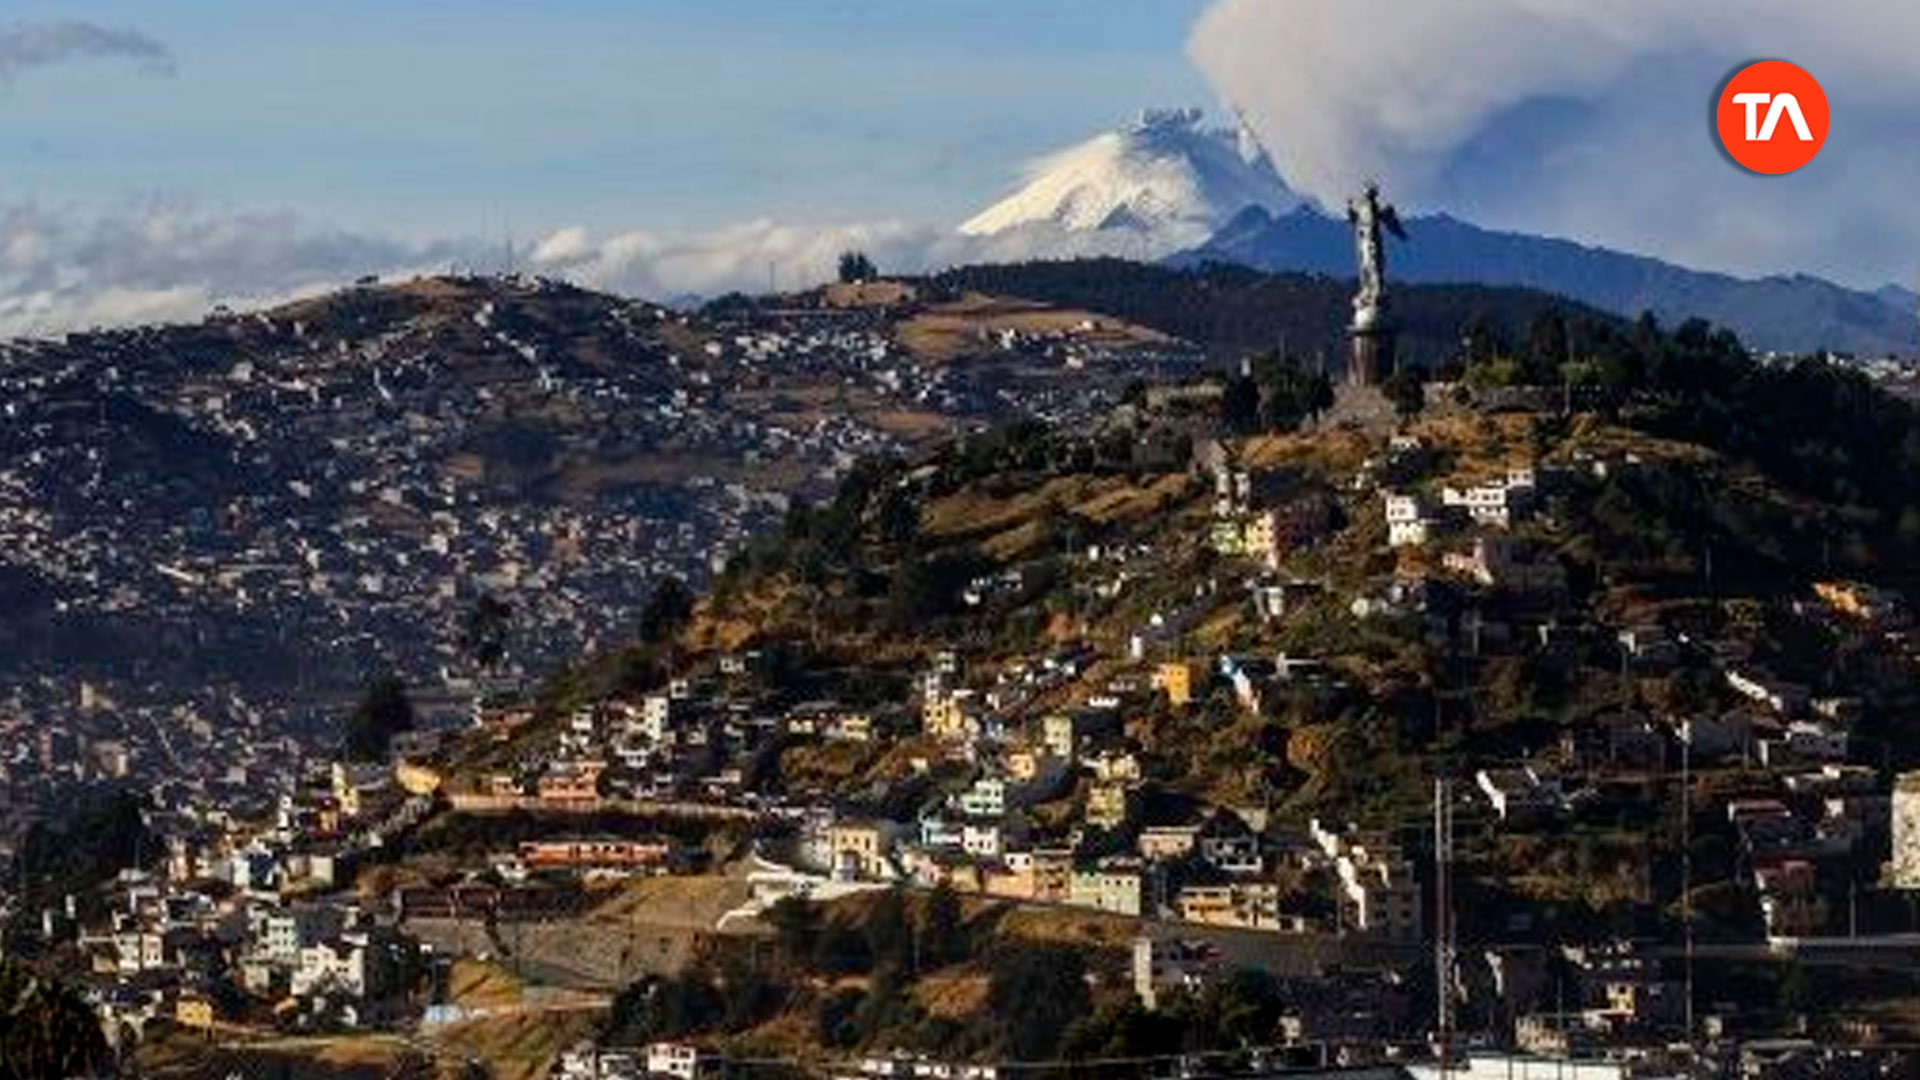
(949, 715)
(1107, 805)
(345, 794)
(193, 1011)
(1228, 538)
(1245, 905)
(1052, 870)
(1166, 842)
(1175, 679)
(1262, 536)
(859, 847)
(1859, 601)
(415, 779)
(1008, 884)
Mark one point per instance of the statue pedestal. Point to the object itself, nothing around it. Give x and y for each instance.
(1369, 354)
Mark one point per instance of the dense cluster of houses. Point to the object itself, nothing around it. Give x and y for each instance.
(305, 492)
(1005, 786)
(245, 921)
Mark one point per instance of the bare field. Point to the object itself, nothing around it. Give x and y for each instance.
(946, 331)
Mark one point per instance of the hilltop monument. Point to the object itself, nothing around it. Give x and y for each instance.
(1371, 333)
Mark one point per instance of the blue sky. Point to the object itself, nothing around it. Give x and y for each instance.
(669, 147)
(441, 117)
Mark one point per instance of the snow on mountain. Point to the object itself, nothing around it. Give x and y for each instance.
(1164, 183)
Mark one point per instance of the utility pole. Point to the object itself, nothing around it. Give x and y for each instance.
(1443, 941)
(1686, 861)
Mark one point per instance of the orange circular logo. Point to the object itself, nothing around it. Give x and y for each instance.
(1772, 117)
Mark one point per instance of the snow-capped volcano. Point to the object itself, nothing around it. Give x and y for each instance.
(1162, 184)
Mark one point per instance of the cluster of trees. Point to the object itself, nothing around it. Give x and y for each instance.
(732, 992)
(1274, 394)
(668, 609)
(1038, 1005)
(1013, 452)
(1238, 1012)
(892, 937)
(863, 555)
(1036, 994)
(1232, 310)
(728, 993)
(866, 546)
(46, 1029)
(1821, 429)
(1817, 428)
(384, 711)
(873, 507)
(856, 267)
(103, 835)
(484, 631)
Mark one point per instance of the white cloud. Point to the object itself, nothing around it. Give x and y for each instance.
(746, 257)
(39, 44)
(64, 269)
(1589, 120)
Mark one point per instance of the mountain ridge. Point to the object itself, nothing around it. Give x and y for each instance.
(1169, 187)
(1785, 312)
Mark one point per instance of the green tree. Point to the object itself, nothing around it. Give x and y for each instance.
(856, 267)
(1482, 340)
(46, 1030)
(889, 937)
(927, 586)
(842, 950)
(663, 1008)
(383, 712)
(1241, 1010)
(796, 926)
(1126, 1030)
(484, 630)
(834, 1022)
(668, 608)
(1405, 390)
(1289, 394)
(104, 834)
(1240, 405)
(1548, 347)
(898, 516)
(943, 937)
(1035, 993)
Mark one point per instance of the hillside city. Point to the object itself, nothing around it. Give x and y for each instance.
(218, 529)
(1055, 693)
(722, 541)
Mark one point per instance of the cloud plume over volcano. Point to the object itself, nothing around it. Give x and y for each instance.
(1588, 120)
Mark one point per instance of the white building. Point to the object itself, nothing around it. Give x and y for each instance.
(673, 1059)
(1903, 872)
(1498, 502)
(986, 798)
(337, 965)
(1163, 965)
(656, 712)
(1520, 792)
(1113, 887)
(1409, 524)
(982, 840)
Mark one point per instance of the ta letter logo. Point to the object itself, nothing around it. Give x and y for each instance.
(1772, 117)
